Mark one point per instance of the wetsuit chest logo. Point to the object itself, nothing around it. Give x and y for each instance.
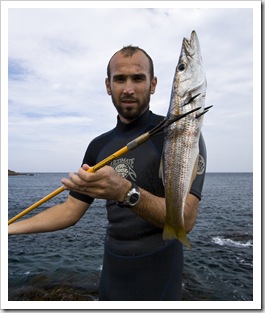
(124, 167)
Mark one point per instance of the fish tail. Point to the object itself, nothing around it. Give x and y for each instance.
(182, 237)
(170, 233)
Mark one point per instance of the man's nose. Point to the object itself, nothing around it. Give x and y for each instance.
(128, 87)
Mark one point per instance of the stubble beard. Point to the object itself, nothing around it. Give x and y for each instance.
(130, 112)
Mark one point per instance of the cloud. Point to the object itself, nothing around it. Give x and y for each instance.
(57, 67)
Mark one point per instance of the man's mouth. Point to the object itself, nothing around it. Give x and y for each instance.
(128, 101)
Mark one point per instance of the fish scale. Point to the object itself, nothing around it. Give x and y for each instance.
(181, 143)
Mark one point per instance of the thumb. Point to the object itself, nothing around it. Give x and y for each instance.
(85, 167)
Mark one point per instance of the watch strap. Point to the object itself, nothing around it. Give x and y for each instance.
(132, 197)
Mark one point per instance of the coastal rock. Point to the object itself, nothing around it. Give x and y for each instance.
(13, 173)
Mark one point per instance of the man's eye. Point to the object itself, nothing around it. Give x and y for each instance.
(139, 78)
(119, 79)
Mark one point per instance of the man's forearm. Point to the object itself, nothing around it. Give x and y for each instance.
(191, 211)
(55, 218)
(153, 209)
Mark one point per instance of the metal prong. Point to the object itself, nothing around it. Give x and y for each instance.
(191, 99)
(168, 121)
(205, 111)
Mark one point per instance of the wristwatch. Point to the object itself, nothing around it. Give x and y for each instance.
(132, 197)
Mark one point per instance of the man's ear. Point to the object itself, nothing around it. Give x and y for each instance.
(107, 83)
(153, 85)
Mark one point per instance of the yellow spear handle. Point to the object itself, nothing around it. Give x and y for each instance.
(61, 189)
(35, 205)
(130, 146)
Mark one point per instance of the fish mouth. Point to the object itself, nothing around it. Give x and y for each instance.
(187, 48)
(191, 47)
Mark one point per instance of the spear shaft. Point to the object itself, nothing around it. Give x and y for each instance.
(130, 146)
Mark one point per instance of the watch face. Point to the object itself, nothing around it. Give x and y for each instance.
(134, 198)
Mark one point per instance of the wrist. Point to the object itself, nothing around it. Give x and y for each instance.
(127, 186)
(132, 197)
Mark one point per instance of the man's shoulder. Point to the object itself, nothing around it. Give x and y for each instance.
(155, 119)
(105, 137)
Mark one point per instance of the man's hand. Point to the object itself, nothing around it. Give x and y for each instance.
(105, 183)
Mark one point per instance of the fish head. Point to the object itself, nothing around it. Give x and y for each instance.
(189, 76)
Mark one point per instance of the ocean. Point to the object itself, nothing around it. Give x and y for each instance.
(66, 265)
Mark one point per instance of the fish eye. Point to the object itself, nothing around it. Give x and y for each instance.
(181, 67)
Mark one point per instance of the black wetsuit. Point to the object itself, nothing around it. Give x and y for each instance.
(138, 264)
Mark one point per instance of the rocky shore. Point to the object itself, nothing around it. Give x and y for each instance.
(13, 173)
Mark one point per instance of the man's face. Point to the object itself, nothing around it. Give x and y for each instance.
(130, 85)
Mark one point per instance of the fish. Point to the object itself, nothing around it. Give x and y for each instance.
(181, 139)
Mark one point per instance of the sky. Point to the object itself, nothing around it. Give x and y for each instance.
(53, 68)
(57, 58)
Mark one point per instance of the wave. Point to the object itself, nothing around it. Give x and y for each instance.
(229, 242)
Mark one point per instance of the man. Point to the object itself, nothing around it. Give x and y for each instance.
(138, 264)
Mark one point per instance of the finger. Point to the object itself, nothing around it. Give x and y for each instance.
(85, 167)
(73, 182)
(70, 185)
(89, 177)
(66, 183)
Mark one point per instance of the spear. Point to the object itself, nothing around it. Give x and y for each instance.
(130, 146)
